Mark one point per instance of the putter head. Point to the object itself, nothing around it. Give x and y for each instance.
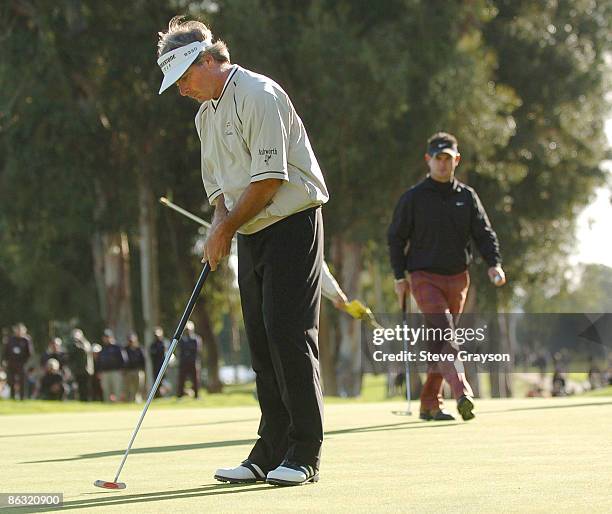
(402, 412)
(109, 485)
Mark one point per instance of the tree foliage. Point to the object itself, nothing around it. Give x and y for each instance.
(520, 83)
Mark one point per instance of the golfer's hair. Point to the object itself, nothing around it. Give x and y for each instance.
(442, 135)
(183, 32)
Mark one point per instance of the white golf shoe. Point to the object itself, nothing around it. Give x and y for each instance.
(247, 473)
(292, 473)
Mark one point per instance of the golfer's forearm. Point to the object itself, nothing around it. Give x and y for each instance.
(254, 198)
(220, 211)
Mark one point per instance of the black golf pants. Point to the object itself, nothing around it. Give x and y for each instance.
(279, 273)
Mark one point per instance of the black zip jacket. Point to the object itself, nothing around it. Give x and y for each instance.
(432, 226)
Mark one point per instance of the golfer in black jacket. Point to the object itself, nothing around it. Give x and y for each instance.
(429, 246)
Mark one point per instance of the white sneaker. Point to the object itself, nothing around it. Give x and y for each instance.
(292, 473)
(247, 473)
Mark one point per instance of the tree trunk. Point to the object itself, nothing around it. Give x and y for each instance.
(374, 270)
(416, 384)
(235, 344)
(211, 348)
(111, 255)
(97, 250)
(506, 347)
(327, 351)
(471, 368)
(149, 269)
(495, 347)
(348, 367)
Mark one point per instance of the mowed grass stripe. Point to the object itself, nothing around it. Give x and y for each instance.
(528, 455)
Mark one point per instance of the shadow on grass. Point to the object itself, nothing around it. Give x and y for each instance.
(547, 407)
(87, 432)
(150, 449)
(114, 498)
(407, 425)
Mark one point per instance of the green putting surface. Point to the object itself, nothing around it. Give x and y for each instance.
(528, 455)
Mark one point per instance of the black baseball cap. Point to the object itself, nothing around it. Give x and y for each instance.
(442, 143)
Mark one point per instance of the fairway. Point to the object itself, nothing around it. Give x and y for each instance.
(518, 455)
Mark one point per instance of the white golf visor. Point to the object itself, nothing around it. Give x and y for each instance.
(176, 62)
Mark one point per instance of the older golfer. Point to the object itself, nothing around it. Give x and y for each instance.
(434, 221)
(261, 174)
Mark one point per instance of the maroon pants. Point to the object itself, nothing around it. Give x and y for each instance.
(441, 299)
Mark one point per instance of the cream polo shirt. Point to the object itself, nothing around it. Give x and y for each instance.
(251, 133)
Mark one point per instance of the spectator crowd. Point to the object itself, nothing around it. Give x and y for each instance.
(106, 371)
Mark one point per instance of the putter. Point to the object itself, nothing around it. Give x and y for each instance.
(407, 412)
(115, 484)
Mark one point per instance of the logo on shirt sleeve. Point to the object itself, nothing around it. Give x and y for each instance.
(267, 154)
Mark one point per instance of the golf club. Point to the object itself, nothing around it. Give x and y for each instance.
(167, 203)
(405, 311)
(164, 201)
(115, 484)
